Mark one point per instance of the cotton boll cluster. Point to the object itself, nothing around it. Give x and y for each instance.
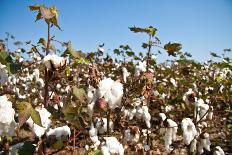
(53, 61)
(45, 121)
(140, 67)
(7, 122)
(110, 90)
(189, 130)
(140, 112)
(112, 146)
(170, 133)
(59, 131)
(101, 125)
(3, 74)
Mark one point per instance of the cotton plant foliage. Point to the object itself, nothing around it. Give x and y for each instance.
(98, 103)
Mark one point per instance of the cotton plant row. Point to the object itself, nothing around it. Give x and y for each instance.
(111, 106)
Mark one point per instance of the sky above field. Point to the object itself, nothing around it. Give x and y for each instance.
(200, 25)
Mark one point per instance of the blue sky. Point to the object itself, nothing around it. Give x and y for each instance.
(200, 25)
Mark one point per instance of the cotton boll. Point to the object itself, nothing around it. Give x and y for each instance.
(125, 74)
(146, 116)
(189, 130)
(40, 82)
(140, 67)
(7, 122)
(116, 95)
(206, 142)
(105, 150)
(114, 146)
(139, 113)
(173, 81)
(93, 136)
(59, 131)
(162, 116)
(218, 151)
(52, 61)
(101, 125)
(193, 147)
(170, 133)
(168, 108)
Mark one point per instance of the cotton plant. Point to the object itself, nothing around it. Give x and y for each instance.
(7, 121)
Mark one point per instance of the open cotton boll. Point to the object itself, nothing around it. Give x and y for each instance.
(173, 81)
(7, 122)
(193, 147)
(189, 130)
(112, 91)
(52, 61)
(94, 137)
(101, 125)
(204, 143)
(125, 74)
(170, 133)
(218, 151)
(200, 110)
(59, 131)
(45, 121)
(146, 116)
(140, 67)
(114, 146)
(105, 150)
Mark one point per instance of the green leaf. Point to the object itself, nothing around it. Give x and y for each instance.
(130, 53)
(27, 149)
(5, 57)
(79, 93)
(125, 47)
(149, 30)
(72, 52)
(26, 110)
(13, 67)
(34, 7)
(38, 16)
(36, 117)
(58, 144)
(42, 42)
(145, 45)
(172, 48)
(116, 51)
